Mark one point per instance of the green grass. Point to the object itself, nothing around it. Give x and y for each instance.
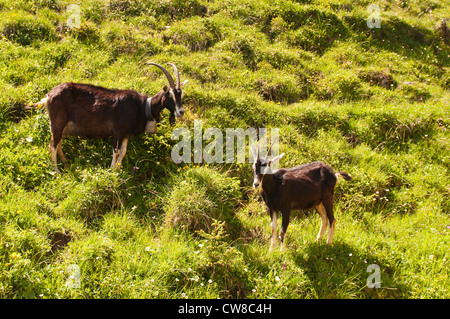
(371, 102)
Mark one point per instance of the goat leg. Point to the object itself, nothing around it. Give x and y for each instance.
(114, 157)
(122, 152)
(331, 232)
(53, 153)
(284, 226)
(119, 150)
(328, 204)
(273, 224)
(323, 216)
(61, 154)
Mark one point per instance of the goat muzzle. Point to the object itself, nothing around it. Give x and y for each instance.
(179, 112)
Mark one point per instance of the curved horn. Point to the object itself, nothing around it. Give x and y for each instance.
(258, 151)
(177, 74)
(169, 77)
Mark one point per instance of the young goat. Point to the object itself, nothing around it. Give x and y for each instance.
(301, 187)
(90, 111)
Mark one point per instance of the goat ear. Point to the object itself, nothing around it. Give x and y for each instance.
(183, 84)
(165, 88)
(255, 153)
(276, 159)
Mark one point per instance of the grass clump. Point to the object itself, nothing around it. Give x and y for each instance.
(96, 193)
(343, 87)
(24, 28)
(199, 196)
(196, 34)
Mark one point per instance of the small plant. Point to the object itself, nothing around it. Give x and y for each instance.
(222, 263)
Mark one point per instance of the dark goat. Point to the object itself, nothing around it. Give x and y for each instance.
(301, 187)
(90, 111)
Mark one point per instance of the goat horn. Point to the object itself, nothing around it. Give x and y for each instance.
(177, 74)
(258, 151)
(169, 77)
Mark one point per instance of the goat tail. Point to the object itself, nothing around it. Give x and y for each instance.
(344, 175)
(39, 104)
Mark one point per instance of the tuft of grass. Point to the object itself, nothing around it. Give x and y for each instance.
(198, 197)
(24, 28)
(196, 34)
(95, 194)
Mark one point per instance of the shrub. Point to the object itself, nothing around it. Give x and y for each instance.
(222, 263)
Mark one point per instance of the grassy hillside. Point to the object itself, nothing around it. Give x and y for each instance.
(371, 102)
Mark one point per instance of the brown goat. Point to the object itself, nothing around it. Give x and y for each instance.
(301, 187)
(90, 111)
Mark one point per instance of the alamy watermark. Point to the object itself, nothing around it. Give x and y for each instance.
(74, 280)
(374, 279)
(220, 147)
(74, 19)
(374, 19)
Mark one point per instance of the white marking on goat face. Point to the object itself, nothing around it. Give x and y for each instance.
(256, 179)
(172, 95)
(256, 182)
(179, 111)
